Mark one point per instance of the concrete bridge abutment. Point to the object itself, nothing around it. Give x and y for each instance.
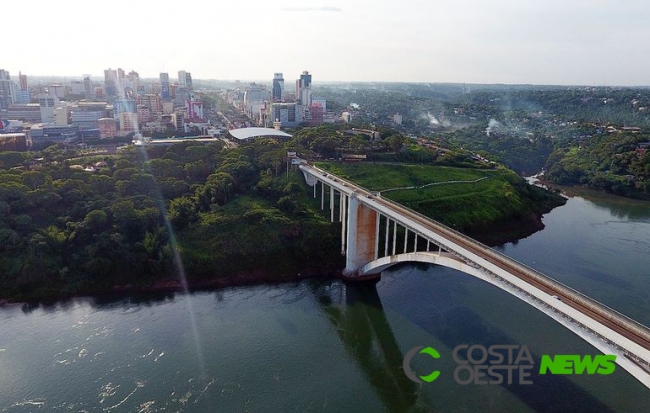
(361, 237)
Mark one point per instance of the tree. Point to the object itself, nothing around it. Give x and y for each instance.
(396, 142)
(182, 212)
(32, 179)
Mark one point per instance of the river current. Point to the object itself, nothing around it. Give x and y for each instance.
(322, 345)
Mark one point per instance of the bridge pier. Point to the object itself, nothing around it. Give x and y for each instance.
(362, 236)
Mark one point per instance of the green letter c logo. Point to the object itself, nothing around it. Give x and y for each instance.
(406, 365)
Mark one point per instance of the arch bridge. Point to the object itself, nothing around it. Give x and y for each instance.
(377, 233)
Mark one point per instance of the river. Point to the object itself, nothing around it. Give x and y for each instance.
(322, 345)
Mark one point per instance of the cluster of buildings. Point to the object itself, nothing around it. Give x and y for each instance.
(282, 107)
(120, 105)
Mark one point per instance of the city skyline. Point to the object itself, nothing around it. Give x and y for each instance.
(468, 41)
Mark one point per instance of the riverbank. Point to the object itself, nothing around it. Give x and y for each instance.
(178, 285)
(495, 235)
(251, 241)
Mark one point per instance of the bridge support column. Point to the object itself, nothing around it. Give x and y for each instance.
(343, 222)
(377, 219)
(386, 237)
(406, 239)
(331, 204)
(362, 236)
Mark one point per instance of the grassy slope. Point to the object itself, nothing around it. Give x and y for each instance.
(503, 197)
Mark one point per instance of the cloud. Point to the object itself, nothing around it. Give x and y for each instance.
(322, 8)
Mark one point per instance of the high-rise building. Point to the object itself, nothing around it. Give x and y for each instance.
(7, 90)
(47, 104)
(107, 128)
(303, 89)
(23, 81)
(110, 82)
(113, 82)
(184, 80)
(61, 115)
(288, 114)
(164, 83)
(89, 89)
(128, 122)
(144, 114)
(57, 90)
(132, 85)
(22, 95)
(124, 105)
(194, 108)
(254, 98)
(76, 88)
(153, 102)
(181, 79)
(277, 91)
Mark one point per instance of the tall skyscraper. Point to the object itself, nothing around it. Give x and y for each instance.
(132, 84)
(113, 80)
(277, 92)
(23, 81)
(303, 89)
(184, 80)
(7, 90)
(22, 95)
(110, 82)
(164, 83)
(89, 89)
(181, 79)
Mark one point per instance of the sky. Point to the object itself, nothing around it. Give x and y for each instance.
(559, 42)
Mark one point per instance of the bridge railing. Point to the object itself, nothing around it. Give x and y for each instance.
(594, 305)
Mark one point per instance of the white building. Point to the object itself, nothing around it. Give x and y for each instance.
(56, 90)
(288, 114)
(255, 97)
(61, 115)
(47, 104)
(77, 88)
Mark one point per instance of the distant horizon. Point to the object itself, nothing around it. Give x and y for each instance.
(555, 42)
(322, 82)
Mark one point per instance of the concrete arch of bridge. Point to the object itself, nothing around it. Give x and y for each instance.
(445, 259)
(451, 261)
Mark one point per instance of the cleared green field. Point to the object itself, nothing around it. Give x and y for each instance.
(500, 196)
(379, 177)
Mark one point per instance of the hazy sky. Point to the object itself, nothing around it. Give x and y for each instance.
(593, 42)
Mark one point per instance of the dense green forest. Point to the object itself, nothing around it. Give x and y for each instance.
(589, 136)
(72, 223)
(65, 230)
